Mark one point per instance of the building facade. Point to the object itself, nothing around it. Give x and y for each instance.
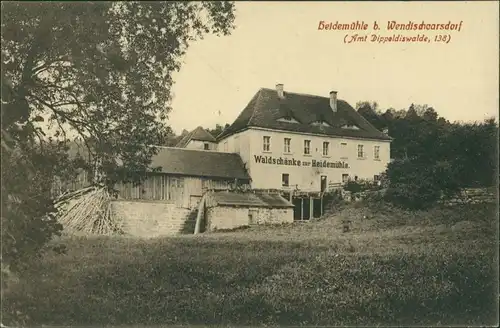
(306, 162)
(229, 210)
(304, 145)
(199, 139)
(167, 201)
(284, 144)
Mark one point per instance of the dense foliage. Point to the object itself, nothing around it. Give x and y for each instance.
(99, 71)
(173, 139)
(218, 129)
(361, 185)
(434, 158)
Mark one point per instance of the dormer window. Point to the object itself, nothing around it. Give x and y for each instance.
(320, 123)
(288, 119)
(349, 127)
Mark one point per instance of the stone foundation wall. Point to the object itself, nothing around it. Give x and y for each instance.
(466, 196)
(473, 196)
(152, 219)
(274, 216)
(226, 217)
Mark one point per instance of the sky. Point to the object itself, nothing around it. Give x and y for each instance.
(277, 42)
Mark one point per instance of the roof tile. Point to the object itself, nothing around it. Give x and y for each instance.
(265, 108)
(248, 199)
(197, 134)
(199, 163)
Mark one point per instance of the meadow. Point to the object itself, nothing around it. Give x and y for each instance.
(393, 267)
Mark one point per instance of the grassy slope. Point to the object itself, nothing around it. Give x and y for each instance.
(393, 268)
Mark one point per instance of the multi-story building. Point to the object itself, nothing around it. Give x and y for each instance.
(304, 144)
(296, 145)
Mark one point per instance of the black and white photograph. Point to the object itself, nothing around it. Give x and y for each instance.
(265, 164)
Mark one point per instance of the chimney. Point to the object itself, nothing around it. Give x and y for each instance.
(279, 90)
(333, 101)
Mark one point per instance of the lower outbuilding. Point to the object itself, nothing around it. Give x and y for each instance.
(230, 209)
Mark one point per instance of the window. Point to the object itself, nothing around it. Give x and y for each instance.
(376, 152)
(326, 145)
(288, 119)
(287, 145)
(266, 145)
(320, 123)
(285, 179)
(206, 146)
(361, 154)
(307, 147)
(252, 215)
(349, 127)
(343, 150)
(345, 178)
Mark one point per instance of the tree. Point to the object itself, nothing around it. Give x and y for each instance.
(416, 185)
(373, 105)
(433, 157)
(98, 70)
(371, 113)
(441, 159)
(218, 129)
(472, 148)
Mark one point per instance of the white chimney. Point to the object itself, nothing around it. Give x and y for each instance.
(333, 101)
(279, 90)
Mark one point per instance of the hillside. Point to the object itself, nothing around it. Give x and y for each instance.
(393, 267)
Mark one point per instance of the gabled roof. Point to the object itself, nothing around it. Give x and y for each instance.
(190, 162)
(197, 134)
(266, 108)
(247, 199)
(274, 200)
(202, 163)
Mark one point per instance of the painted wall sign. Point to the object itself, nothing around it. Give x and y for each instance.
(297, 162)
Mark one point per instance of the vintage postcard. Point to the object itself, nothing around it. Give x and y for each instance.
(223, 163)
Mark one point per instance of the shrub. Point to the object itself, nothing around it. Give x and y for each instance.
(416, 185)
(357, 186)
(28, 212)
(332, 200)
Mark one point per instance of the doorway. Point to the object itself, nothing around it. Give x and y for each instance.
(323, 183)
(306, 214)
(252, 216)
(297, 209)
(317, 210)
(301, 208)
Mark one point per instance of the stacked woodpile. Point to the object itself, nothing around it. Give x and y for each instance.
(87, 211)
